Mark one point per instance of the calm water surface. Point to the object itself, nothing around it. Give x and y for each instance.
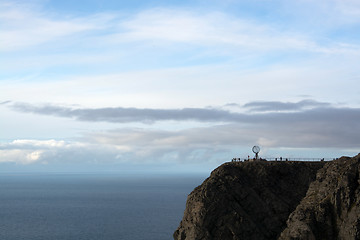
(92, 206)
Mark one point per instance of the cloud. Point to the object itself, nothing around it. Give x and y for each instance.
(222, 142)
(171, 43)
(272, 133)
(5, 102)
(44, 144)
(162, 25)
(124, 115)
(344, 12)
(31, 151)
(261, 106)
(105, 148)
(20, 156)
(305, 123)
(349, 8)
(306, 110)
(26, 25)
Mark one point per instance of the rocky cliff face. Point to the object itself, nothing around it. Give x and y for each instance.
(331, 208)
(246, 200)
(275, 200)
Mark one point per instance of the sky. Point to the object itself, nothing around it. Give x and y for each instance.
(176, 86)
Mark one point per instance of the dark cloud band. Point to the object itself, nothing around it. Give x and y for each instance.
(268, 113)
(260, 106)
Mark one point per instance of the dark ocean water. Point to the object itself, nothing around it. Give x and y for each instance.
(92, 206)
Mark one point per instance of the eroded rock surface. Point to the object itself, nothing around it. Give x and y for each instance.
(246, 200)
(331, 208)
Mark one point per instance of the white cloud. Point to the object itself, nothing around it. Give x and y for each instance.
(30, 151)
(216, 29)
(195, 86)
(24, 26)
(36, 143)
(349, 7)
(212, 29)
(345, 11)
(20, 156)
(330, 19)
(28, 26)
(162, 35)
(34, 156)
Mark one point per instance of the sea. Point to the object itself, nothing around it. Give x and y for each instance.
(92, 206)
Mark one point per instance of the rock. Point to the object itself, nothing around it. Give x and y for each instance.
(331, 207)
(246, 200)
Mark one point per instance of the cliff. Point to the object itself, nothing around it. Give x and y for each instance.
(275, 200)
(331, 208)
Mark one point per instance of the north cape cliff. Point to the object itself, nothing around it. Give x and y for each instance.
(275, 200)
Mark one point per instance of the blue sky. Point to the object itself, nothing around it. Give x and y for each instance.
(177, 85)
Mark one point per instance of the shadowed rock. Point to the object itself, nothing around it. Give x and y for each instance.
(331, 208)
(246, 200)
(276, 200)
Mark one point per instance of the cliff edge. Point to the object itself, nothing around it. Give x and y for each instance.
(275, 200)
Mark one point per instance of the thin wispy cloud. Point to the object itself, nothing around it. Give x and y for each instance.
(29, 26)
(161, 25)
(5, 102)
